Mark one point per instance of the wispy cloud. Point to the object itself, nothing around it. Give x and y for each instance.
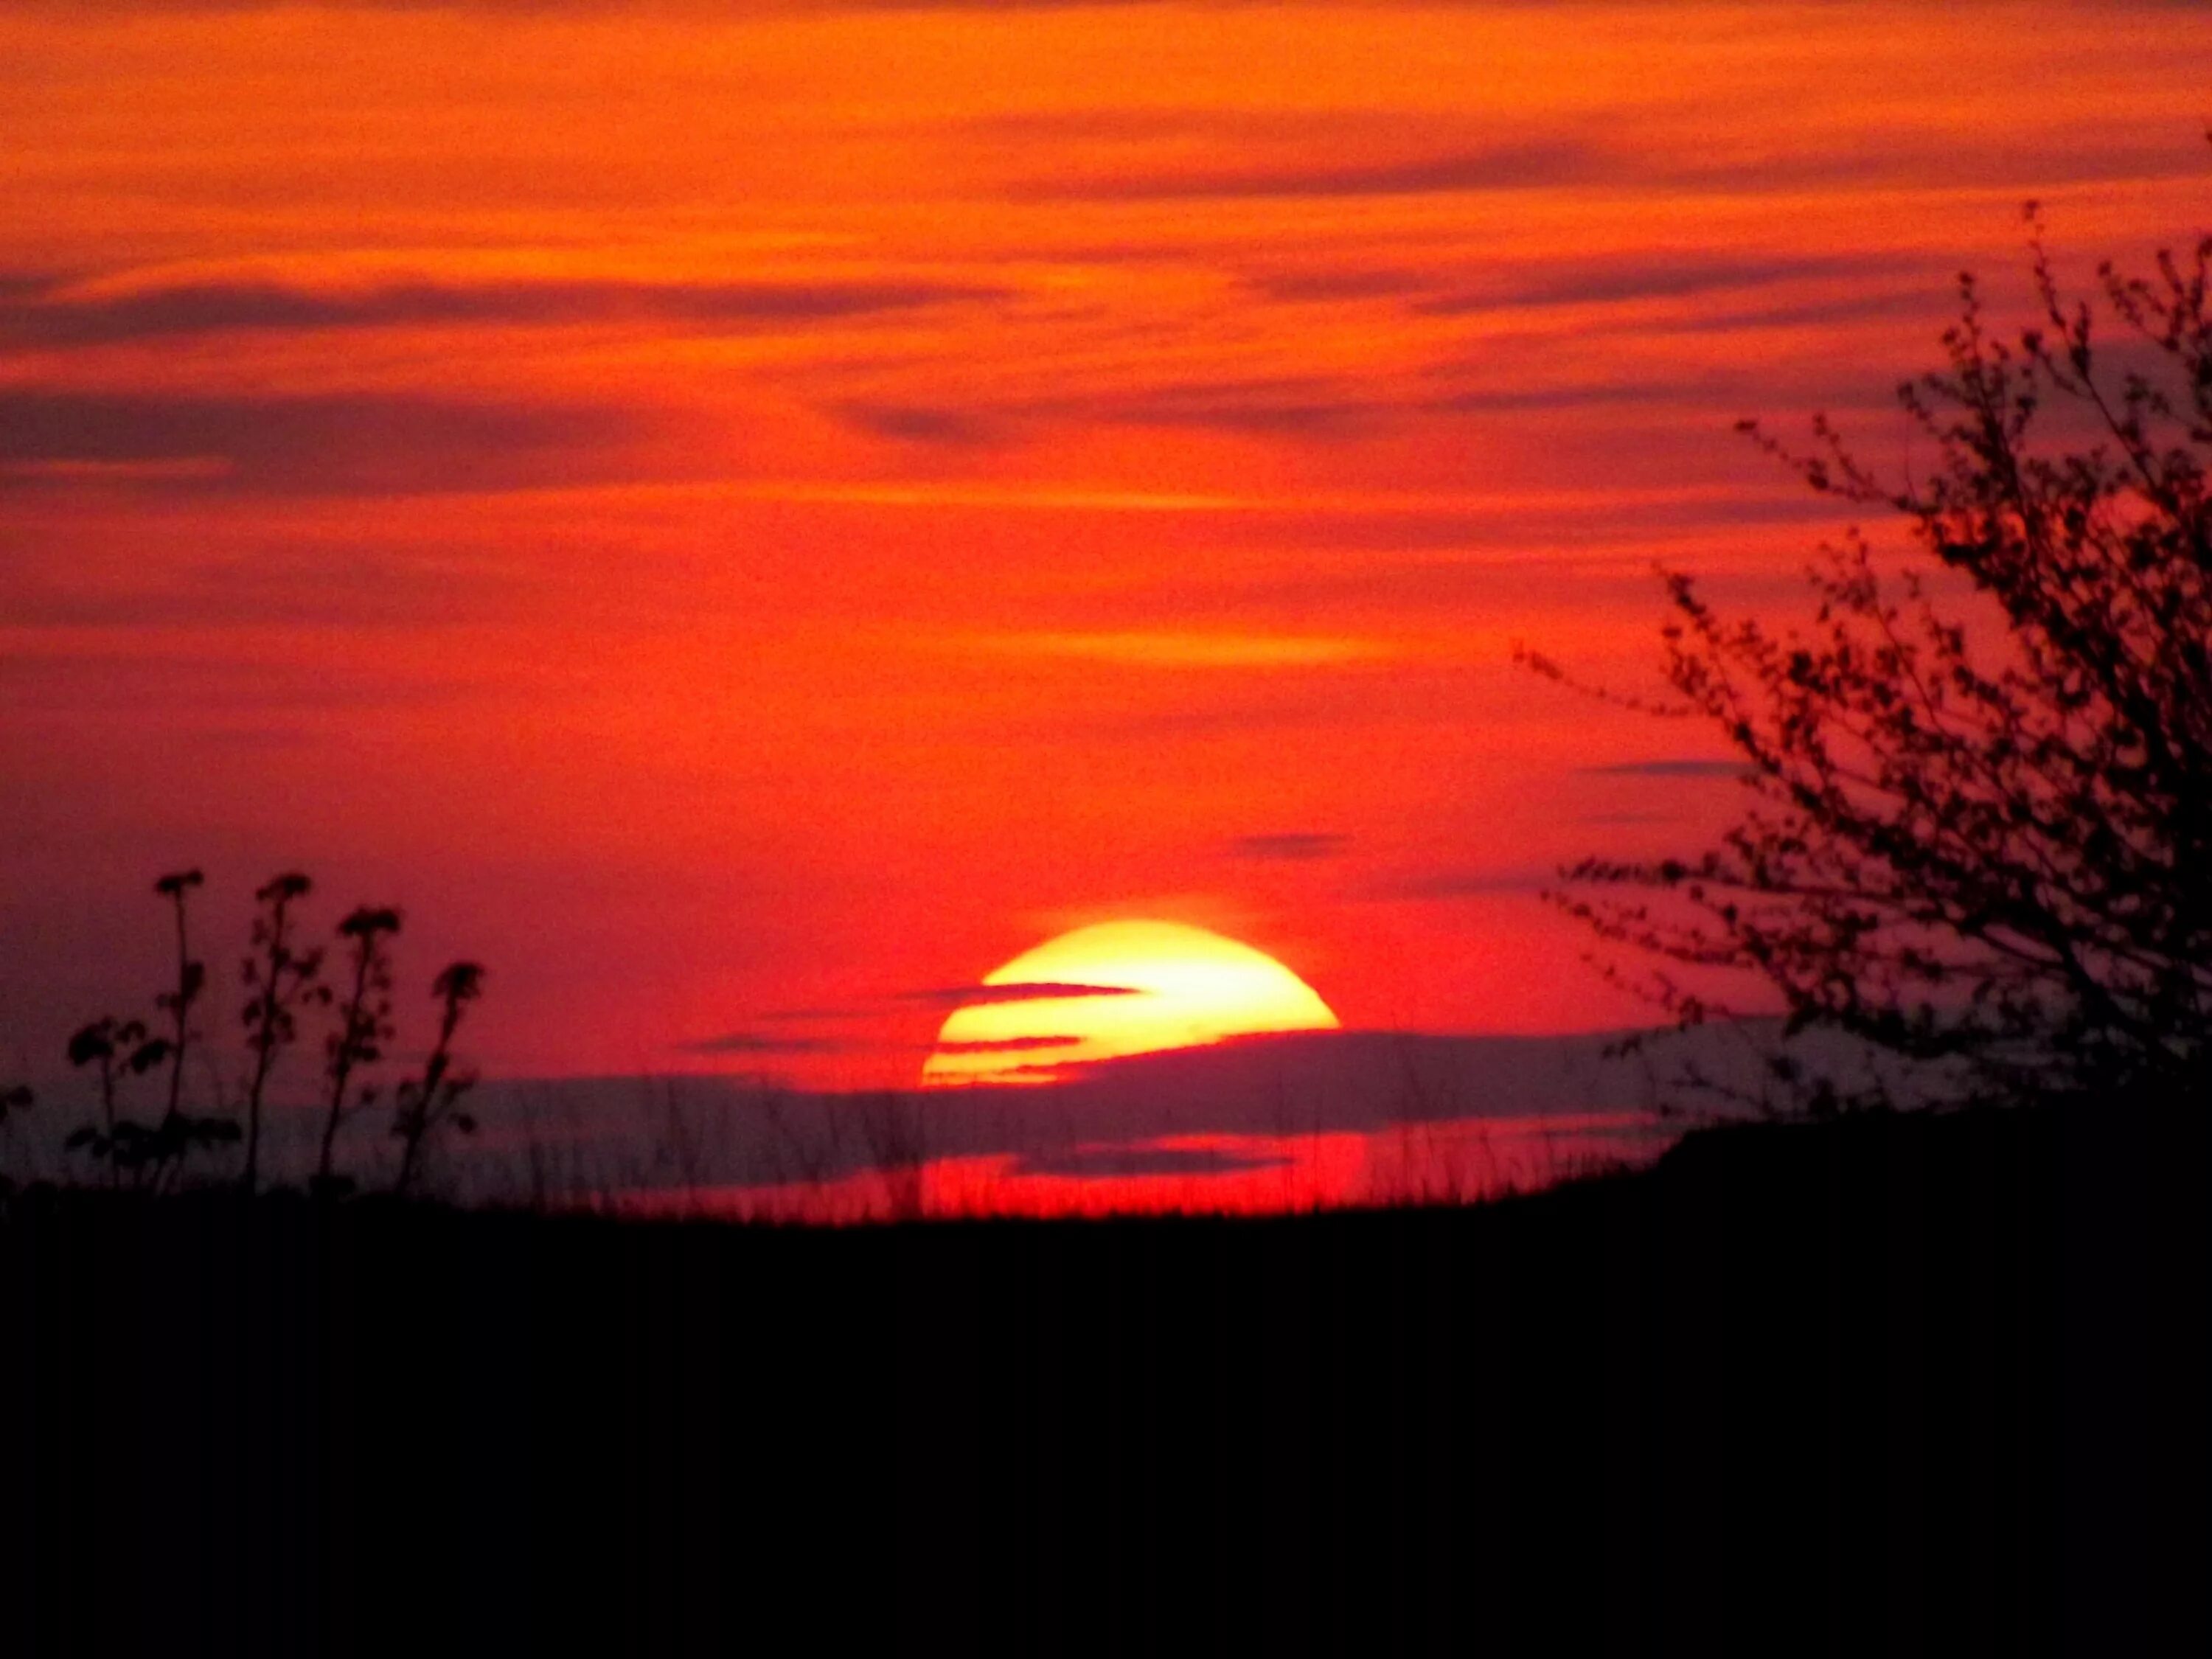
(922, 423)
(1282, 407)
(1140, 649)
(1499, 167)
(1039, 991)
(340, 584)
(754, 1042)
(1340, 283)
(1670, 768)
(365, 441)
(1293, 408)
(1661, 274)
(1014, 1045)
(101, 314)
(526, 10)
(1097, 1163)
(1289, 845)
(1474, 882)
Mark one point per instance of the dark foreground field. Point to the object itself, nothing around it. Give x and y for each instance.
(1901, 1386)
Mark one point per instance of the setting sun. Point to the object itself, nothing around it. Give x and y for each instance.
(1119, 988)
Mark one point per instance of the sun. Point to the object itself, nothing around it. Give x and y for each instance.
(1118, 988)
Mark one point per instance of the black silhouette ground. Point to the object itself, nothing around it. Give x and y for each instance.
(1906, 1385)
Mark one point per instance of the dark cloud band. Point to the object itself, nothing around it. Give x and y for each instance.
(336, 442)
(32, 315)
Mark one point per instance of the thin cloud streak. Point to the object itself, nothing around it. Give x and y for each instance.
(1006, 1045)
(754, 1042)
(371, 442)
(1670, 768)
(1458, 884)
(1297, 845)
(958, 996)
(66, 316)
(1516, 166)
(1108, 1163)
(1137, 649)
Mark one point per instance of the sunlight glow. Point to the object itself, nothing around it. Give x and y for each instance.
(1127, 988)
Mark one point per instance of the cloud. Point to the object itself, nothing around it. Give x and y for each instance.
(1289, 845)
(1453, 884)
(1007, 1045)
(364, 442)
(1209, 1109)
(1496, 400)
(754, 1042)
(348, 585)
(1281, 408)
(1139, 648)
(1040, 991)
(49, 316)
(527, 10)
(1437, 161)
(1500, 167)
(920, 422)
(1290, 408)
(1655, 275)
(1322, 410)
(1093, 1163)
(212, 685)
(1669, 769)
(1341, 282)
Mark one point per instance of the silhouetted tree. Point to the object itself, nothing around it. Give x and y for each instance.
(1981, 826)
(279, 980)
(364, 1024)
(429, 1102)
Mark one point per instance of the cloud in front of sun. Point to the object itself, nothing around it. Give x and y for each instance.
(1117, 988)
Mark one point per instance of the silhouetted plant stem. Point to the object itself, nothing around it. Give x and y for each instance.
(424, 1104)
(280, 979)
(165, 1152)
(107, 1090)
(191, 976)
(364, 1024)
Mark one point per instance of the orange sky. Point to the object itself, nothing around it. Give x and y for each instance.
(736, 525)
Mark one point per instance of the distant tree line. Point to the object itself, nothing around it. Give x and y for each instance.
(289, 985)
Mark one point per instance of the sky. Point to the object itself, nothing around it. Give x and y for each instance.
(746, 527)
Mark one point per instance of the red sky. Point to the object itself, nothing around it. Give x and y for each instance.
(737, 525)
